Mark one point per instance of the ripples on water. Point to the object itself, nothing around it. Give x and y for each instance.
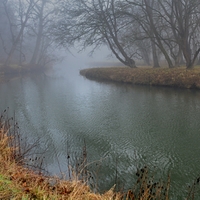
(125, 127)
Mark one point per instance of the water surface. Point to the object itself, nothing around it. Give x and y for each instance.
(123, 126)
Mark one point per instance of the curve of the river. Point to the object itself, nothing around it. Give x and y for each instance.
(123, 126)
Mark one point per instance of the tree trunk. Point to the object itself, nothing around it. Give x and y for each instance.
(17, 40)
(156, 34)
(190, 65)
(155, 57)
(34, 59)
(130, 63)
(178, 58)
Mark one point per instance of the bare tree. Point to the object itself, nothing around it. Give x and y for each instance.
(172, 25)
(141, 29)
(44, 12)
(183, 19)
(5, 34)
(152, 26)
(22, 10)
(93, 23)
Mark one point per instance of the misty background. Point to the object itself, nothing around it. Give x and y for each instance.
(148, 32)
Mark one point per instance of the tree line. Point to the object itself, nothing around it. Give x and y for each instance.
(25, 37)
(150, 30)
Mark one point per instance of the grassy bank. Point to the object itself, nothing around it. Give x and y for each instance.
(177, 77)
(19, 182)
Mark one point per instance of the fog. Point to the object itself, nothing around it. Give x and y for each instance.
(31, 32)
(86, 59)
(72, 60)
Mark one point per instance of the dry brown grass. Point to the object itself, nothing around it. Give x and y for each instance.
(177, 77)
(18, 182)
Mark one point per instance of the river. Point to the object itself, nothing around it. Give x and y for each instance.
(123, 127)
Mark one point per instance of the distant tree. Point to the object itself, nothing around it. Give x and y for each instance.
(147, 17)
(137, 43)
(183, 19)
(140, 32)
(22, 11)
(43, 13)
(4, 32)
(7, 30)
(25, 32)
(173, 26)
(93, 23)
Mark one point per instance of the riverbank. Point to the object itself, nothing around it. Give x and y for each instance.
(7, 73)
(177, 77)
(19, 182)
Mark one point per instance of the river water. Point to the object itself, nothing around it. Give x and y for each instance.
(123, 127)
